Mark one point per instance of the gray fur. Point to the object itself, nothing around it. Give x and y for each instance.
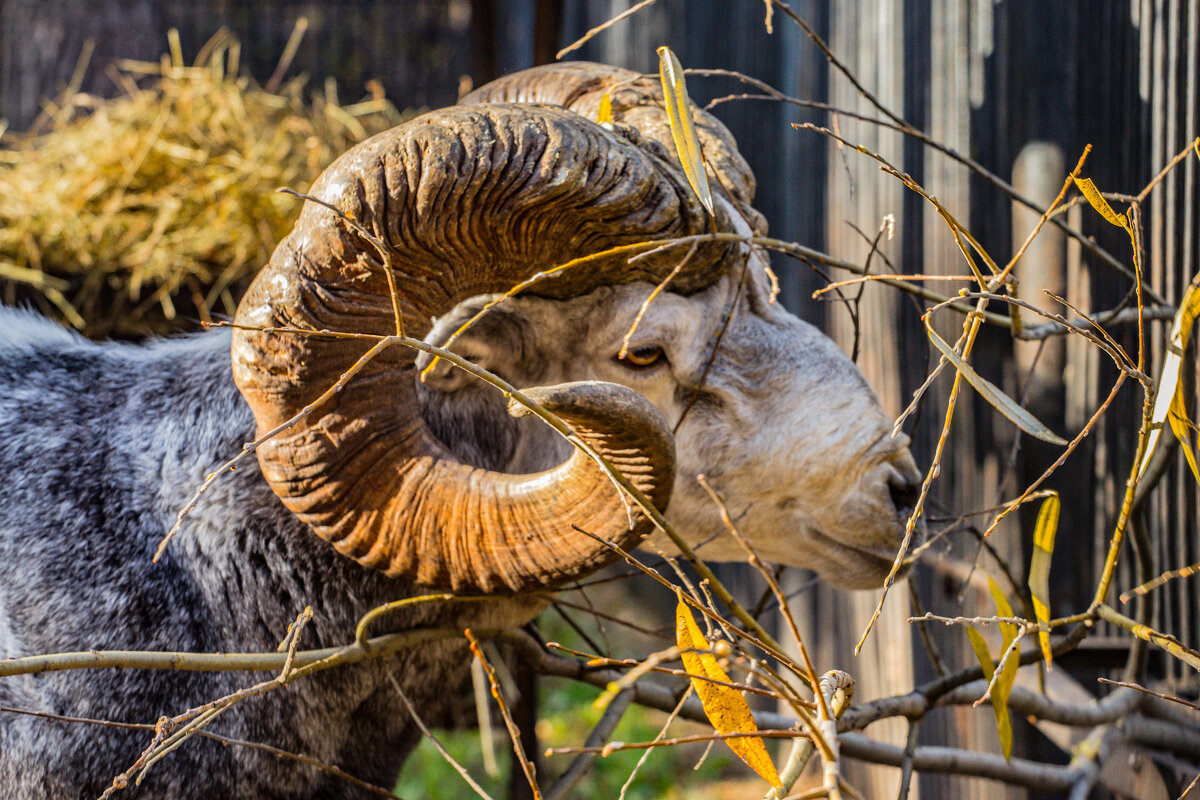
(100, 446)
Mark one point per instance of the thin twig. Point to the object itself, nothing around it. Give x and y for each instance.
(1174, 162)
(1148, 586)
(1152, 693)
(513, 731)
(975, 621)
(582, 40)
(1145, 633)
(616, 747)
(1014, 647)
(906, 767)
(304, 660)
(412, 712)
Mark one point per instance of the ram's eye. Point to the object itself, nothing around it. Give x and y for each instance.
(644, 356)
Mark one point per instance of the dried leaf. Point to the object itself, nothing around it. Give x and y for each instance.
(1039, 569)
(1169, 403)
(990, 392)
(724, 706)
(1098, 202)
(605, 116)
(679, 113)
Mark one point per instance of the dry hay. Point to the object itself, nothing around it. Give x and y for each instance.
(143, 213)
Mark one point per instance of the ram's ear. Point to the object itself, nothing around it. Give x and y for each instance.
(496, 342)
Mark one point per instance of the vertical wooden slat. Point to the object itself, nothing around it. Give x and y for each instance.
(485, 63)
(1186, 548)
(871, 41)
(547, 30)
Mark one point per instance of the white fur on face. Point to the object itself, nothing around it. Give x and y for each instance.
(779, 420)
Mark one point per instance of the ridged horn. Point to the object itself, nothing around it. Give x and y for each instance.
(636, 103)
(467, 201)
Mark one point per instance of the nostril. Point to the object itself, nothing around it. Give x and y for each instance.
(904, 494)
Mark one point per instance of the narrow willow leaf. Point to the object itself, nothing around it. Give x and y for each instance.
(604, 115)
(1170, 406)
(1178, 419)
(1098, 202)
(1003, 687)
(1003, 719)
(1177, 415)
(724, 706)
(679, 114)
(1039, 569)
(990, 392)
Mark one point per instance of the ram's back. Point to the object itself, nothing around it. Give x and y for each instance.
(100, 445)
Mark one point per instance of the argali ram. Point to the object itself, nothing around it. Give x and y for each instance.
(397, 485)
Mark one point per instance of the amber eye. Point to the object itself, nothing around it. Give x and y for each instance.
(643, 356)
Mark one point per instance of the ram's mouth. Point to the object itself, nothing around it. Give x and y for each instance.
(905, 494)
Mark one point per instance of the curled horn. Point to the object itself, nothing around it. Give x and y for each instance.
(467, 200)
(637, 103)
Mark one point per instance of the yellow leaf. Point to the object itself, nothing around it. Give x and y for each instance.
(604, 115)
(1004, 684)
(1177, 411)
(1008, 632)
(990, 392)
(1178, 419)
(1039, 568)
(1003, 719)
(679, 114)
(1098, 202)
(724, 706)
(1170, 406)
(981, 652)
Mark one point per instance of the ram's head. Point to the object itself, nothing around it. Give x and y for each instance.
(433, 481)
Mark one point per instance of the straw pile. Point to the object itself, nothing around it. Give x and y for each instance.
(147, 212)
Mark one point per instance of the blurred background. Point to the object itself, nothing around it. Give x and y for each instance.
(1018, 87)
